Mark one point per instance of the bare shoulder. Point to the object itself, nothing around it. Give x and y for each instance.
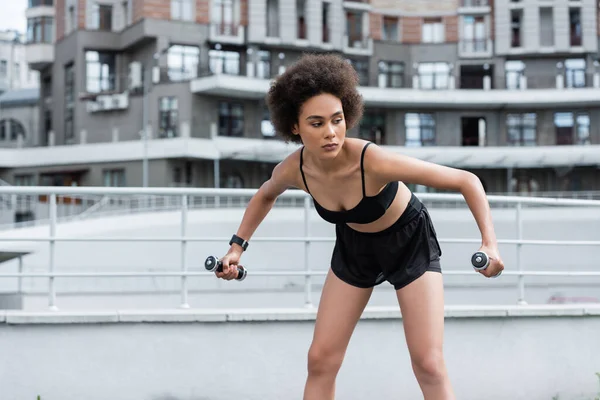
(285, 175)
(389, 166)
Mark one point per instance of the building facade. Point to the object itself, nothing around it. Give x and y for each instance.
(15, 72)
(172, 92)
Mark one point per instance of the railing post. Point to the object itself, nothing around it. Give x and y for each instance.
(52, 244)
(184, 289)
(521, 300)
(308, 278)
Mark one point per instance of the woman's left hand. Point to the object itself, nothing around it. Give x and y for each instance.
(496, 264)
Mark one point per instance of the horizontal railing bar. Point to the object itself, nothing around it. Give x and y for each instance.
(262, 273)
(128, 191)
(278, 239)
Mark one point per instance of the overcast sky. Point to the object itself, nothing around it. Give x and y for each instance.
(12, 15)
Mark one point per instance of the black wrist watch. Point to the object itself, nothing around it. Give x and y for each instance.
(238, 240)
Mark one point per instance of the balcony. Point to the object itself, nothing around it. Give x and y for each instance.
(475, 48)
(474, 7)
(480, 91)
(359, 5)
(39, 55)
(359, 46)
(230, 33)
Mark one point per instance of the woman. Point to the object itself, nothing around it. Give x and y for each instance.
(383, 232)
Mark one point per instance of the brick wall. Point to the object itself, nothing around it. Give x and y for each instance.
(375, 25)
(411, 29)
(203, 11)
(81, 6)
(137, 10)
(157, 9)
(244, 12)
(451, 28)
(59, 18)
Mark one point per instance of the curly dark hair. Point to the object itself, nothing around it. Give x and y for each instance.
(310, 76)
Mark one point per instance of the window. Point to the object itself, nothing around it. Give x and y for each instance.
(272, 18)
(516, 17)
(572, 128)
(100, 72)
(102, 17)
(301, 18)
(223, 17)
(40, 30)
(182, 62)
(234, 181)
(71, 21)
(432, 30)
(231, 119)
(16, 129)
(521, 129)
(37, 3)
(434, 75)
(266, 127)
(354, 29)
(168, 117)
(69, 101)
(24, 180)
(3, 68)
(17, 72)
(263, 67)
(181, 10)
(515, 70)
(391, 74)
(575, 26)
(575, 73)
(372, 127)
(114, 177)
(390, 29)
(420, 130)
(362, 69)
(546, 27)
(11, 128)
(474, 36)
(224, 62)
(325, 22)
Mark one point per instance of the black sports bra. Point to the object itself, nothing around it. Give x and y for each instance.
(369, 209)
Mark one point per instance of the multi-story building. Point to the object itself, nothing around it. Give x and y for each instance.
(507, 89)
(14, 68)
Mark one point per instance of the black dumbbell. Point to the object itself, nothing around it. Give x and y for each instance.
(481, 261)
(213, 264)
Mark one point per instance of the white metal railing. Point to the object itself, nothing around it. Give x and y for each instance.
(184, 194)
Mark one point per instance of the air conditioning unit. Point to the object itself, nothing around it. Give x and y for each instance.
(120, 101)
(104, 102)
(92, 106)
(135, 75)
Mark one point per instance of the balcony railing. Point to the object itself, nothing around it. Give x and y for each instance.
(183, 199)
(474, 3)
(479, 45)
(226, 29)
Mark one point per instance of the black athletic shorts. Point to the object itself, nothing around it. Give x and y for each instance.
(399, 254)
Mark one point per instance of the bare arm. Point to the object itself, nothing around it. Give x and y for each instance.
(388, 166)
(258, 207)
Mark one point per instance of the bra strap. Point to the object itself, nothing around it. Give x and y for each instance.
(301, 171)
(362, 170)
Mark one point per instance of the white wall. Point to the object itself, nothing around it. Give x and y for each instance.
(518, 358)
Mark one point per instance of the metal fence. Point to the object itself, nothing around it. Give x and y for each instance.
(183, 198)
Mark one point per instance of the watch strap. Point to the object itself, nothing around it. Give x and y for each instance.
(238, 240)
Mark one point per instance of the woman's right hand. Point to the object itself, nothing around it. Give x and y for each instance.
(230, 262)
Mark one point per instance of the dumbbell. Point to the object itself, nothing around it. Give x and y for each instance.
(213, 264)
(481, 261)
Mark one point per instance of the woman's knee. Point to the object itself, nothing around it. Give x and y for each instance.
(429, 366)
(324, 361)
